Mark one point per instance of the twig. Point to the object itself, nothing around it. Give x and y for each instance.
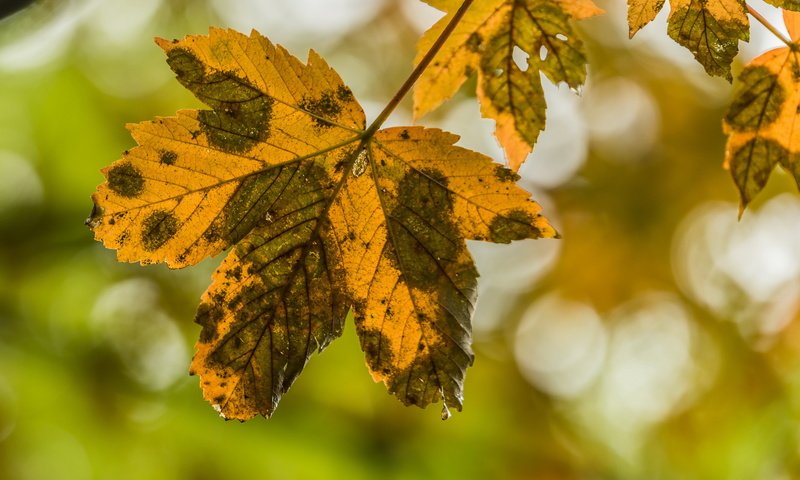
(417, 72)
(769, 26)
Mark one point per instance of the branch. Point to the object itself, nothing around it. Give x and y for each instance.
(752, 11)
(415, 74)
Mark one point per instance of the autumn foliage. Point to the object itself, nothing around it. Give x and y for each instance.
(325, 214)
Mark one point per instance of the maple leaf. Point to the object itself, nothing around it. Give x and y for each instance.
(484, 42)
(321, 216)
(762, 119)
(786, 4)
(642, 12)
(710, 29)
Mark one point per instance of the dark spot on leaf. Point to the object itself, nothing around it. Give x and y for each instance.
(241, 112)
(514, 225)
(208, 316)
(325, 109)
(278, 191)
(168, 157)
(426, 240)
(429, 378)
(212, 233)
(377, 349)
(344, 94)
(505, 174)
(753, 162)
(158, 228)
(235, 273)
(474, 42)
(125, 180)
(758, 100)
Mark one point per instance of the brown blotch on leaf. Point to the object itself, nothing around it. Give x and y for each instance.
(168, 157)
(514, 225)
(758, 102)
(344, 94)
(422, 229)
(212, 233)
(421, 383)
(324, 108)
(474, 42)
(208, 316)
(158, 228)
(505, 175)
(241, 113)
(378, 350)
(235, 273)
(125, 180)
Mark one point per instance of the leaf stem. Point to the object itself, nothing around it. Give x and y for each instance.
(763, 21)
(417, 72)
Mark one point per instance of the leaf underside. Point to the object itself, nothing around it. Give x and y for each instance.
(484, 41)
(709, 29)
(320, 219)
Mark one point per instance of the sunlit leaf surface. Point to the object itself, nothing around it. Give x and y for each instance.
(320, 219)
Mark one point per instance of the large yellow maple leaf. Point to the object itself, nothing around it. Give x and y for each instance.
(321, 216)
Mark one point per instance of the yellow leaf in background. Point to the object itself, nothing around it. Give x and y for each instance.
(762, 122)
(792, 22)
(580, 9)
(485, 41)
(711, 30)
(320, 217)
(786, 4)
(642, 12)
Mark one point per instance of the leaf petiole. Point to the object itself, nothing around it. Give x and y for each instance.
(763, 21)
(415, 74)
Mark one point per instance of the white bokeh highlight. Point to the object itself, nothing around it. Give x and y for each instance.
(560, 346)
(147, 340)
